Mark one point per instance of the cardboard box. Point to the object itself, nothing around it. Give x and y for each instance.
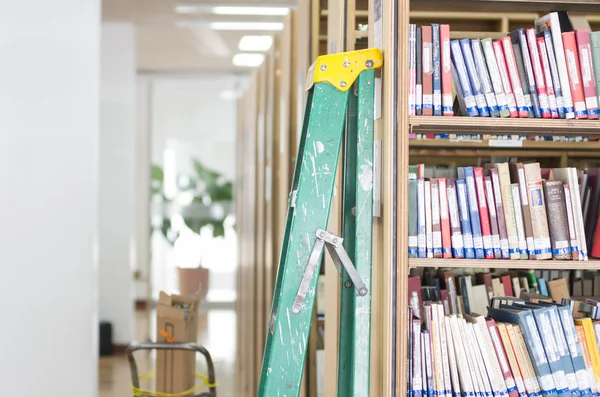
(177, 316)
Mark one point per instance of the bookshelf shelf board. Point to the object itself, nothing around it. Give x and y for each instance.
(502, 264)
(583, 6)
(480, 125)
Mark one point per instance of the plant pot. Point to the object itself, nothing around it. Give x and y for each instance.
(190, 279)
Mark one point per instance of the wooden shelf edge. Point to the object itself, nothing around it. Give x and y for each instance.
(503, 264)
(504, 126)
(582, 6)
(497, 144)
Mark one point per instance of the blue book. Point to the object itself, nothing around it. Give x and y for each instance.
(543, 287)
(465, 222)
(482, 105)
(524, 318)
(463, 78)
(437, 69)
(469, 177)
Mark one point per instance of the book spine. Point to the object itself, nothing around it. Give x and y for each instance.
(463, 76)
(412, 69)
(541, 43)
(578, 214)
(561, 62)
(462, 106)
(474, 213)
(437, 70)
(421, 222)
(539, 222)
(435, 219)
(502, 68)
(571, 223)
(563, 351)
(587, 72)
(509, 211)
(583, 380)
(526, 72)
(452, 359)
(511, 387)
(428, 219)
(419, 73)
(518, 175)
(513, 73)
(457, 237)
(504, 247)
(486, 82)
(492, 67)
(512, 360)
(417, 381)
(413, 251)
(482, 105)
(489, 189)
(573, 68)
(484, 218)
(447, 105)
(557, 219)
(519, 220)
(445, 219)
(546, 334)
(465, 221)
(538, 73)
(427, 60)
(556, 82)
(595, 44)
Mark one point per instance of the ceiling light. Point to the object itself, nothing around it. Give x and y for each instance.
(229, 95)
(251, 10)
(255, 43)
(263, 26)
(248, 60)
(189, 8)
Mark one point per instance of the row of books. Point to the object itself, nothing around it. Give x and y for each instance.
(510, 138)
(548, 71)
(503, 211)
(521, 348)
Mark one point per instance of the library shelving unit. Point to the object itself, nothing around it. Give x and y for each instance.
(467, 18)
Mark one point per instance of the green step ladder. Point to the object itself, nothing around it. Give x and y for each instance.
(341, 90)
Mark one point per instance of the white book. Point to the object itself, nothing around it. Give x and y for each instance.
(495, 78)
(417, 376)
(519, 218)
(571, 220)
(421, 221)
(513, 74)
(452, 358)
(457, 238)
(435, 220)
(473, 364)
(491, 204)
(484, 77)
(552, 21)
(464, 359)
(444, 347)
(569, 176)
(428, 219)
(437, 352)
(479, 359)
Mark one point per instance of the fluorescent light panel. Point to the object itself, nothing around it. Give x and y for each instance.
(248, 60)
(260, 26)
(251, 10)
(255, 43)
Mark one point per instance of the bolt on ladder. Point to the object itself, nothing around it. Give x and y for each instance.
(340, 98)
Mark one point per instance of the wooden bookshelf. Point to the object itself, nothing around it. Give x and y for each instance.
(503, 264)
(580, 6)
(516, 126)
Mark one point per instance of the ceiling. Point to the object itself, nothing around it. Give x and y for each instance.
(168, 42)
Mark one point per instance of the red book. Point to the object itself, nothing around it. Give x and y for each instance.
(506, 84)
(447, 102)
(484, 216)
(445, 219)
(507, 283)
(513, 74)
(427, 68)
(584, 49)
(538, 73)
(574, 72)
(502, 358)
(420, 171)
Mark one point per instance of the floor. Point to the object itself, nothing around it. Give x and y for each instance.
(216, 332)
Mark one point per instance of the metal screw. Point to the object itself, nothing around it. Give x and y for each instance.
(369, 63)
(348, 284)
(362, 291)
(346, 64)
(322, 234)
(343, 84)
(335, 240)
(323, 67)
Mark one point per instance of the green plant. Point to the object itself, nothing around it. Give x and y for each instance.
(208, 189)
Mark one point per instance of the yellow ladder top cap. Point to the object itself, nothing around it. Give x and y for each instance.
(341, 70)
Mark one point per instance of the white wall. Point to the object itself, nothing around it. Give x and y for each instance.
(117, 178)
(49, 104)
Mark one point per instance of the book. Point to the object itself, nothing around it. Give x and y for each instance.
(493, 217)
(484, 215)
(573, 66)
(427, 65)
(541, 43)
(517, 174)
(525, 68)
(556, 81)
(595, 44)
(539, 222)
(554, 194)
(412, 69)
(588, 80)
(513, 74)
(538, 73)
(504, 77)
(447, 105)
(445, 219)
(502, 230)
(556, 23)
(455, 220)
(418, 73)
(474, 78)
(413, 205)
(437, 69)
(464, 79)
(465, 221)
(495, 78)
(486, 82)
